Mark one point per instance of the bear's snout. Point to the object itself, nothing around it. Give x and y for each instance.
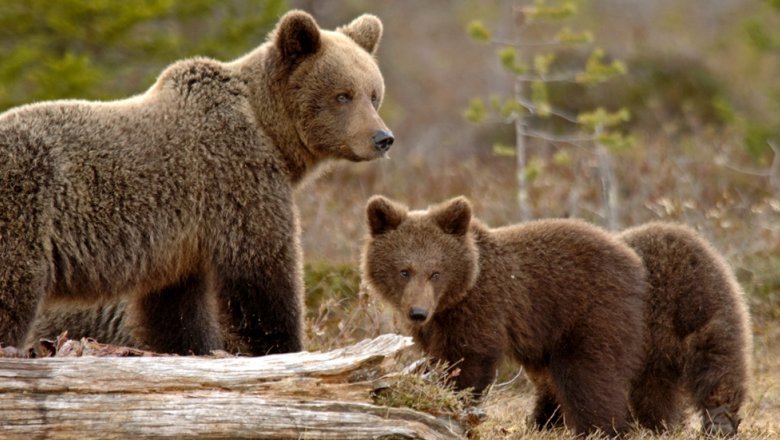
(382, 140)
(418, 314)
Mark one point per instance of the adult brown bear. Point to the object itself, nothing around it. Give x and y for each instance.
(180, 199)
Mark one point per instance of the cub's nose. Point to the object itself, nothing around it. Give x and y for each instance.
(382, 140)
(418, 314)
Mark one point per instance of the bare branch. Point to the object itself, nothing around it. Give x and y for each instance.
(563, 115)
(558, 139)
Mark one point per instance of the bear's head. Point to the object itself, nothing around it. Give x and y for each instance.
(331, 86)
(422, 262)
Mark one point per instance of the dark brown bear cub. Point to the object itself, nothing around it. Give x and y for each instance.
(563, 298)
(700, 340)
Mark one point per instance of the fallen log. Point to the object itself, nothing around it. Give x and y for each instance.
(299, 395)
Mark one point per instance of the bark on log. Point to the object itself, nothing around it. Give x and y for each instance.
(298, 395)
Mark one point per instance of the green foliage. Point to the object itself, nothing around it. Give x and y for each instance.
(533, 169)
(500, 149)
(723, 108)
(478, 31)
(476, 112)
(325, 281)
(760, 38)
(506, 109)
(511, 108)
(756, 137)
(104, 49)
(763, 35)
(566, 36)
(541, 11)
(542, 63)
(508, 58)
(602, 118)
(562, 158)
(337, 313)
(616, 142)
(540, 99)
(596, 70)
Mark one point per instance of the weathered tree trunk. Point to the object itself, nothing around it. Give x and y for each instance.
(298, 395)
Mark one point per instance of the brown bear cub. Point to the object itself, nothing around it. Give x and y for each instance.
(700, 341)
(563, 298)
(180, 199)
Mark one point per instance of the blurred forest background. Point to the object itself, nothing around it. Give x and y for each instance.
(701, 87)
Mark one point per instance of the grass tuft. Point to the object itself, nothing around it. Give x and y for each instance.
(428, 389)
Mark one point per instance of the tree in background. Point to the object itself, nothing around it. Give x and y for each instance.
(108, 49)
(532, 57)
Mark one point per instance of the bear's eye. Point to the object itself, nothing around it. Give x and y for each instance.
(343, 98)
(374, 99)
(435, 276)
(404, 274)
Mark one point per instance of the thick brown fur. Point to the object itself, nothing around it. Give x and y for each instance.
(563, 298)
(180, 199)
(700, 340)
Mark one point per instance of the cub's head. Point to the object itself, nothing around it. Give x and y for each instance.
(422, 262)
(332, 86)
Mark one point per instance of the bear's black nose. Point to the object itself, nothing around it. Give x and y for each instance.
(383, 139)
(418, 314)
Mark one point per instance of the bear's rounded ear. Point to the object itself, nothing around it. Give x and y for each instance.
(453, 216)
(365, 30)
(297, 35)
(383, 215)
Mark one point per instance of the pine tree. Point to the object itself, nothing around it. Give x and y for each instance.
(530, 57)
(110, 49)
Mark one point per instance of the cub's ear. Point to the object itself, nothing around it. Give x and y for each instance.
(453, 216)
(383, 215)
(365, 30)
(297, 36)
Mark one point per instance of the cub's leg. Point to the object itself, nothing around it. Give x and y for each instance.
(547, 411)
(716, 376)
(591, 376)
(656, 400)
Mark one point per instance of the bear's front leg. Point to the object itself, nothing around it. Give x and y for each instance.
(180, 318)
(547, 412)
(25, 244)
(261, 292)
(476, 371)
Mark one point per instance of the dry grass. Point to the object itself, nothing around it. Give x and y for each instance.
(427, 389)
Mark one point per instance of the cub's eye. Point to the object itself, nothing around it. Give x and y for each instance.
(435, 276)
(404, 274)
(343, 98)
(374, 99)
